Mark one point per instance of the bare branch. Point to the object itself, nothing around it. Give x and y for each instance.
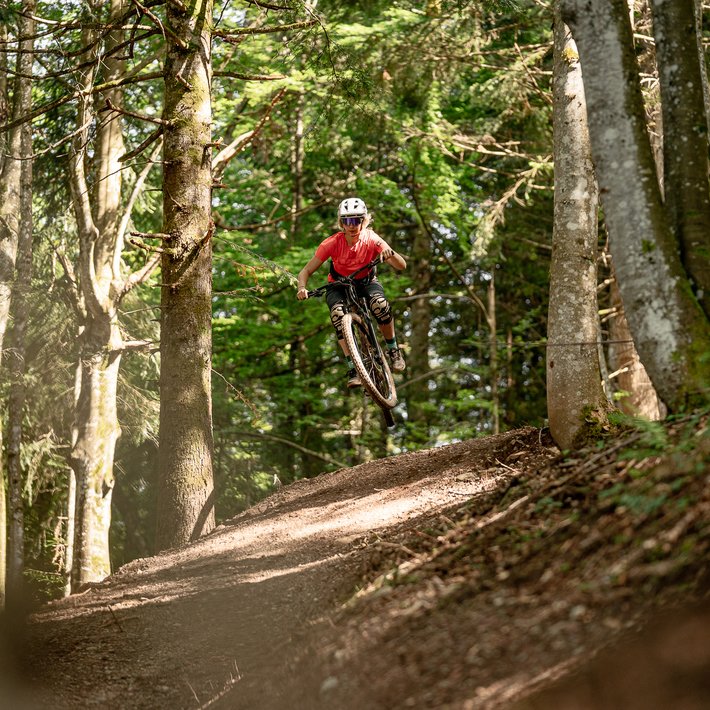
(136, 345)
(269, 6)
(50, 105)
(152, 235)
(236, 34)
(76, 298)
(250, 77)
(220, 161)
(157, 133)
(164, 29)
(123, 226)
(141, 275)
(148, 247)
(292, 444)
(132, 114)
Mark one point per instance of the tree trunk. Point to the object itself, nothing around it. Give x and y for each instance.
(69, 533)
(702, 61)
(92, 456)
(297, 166)
(10, 183)
(15, 196)
(16, 368)
(96, 420)
(493, 353)
(418, 355)
(4, 99)
(185, 489)
(670, 329)
(638, 397)
(685, 138)
(574, 384)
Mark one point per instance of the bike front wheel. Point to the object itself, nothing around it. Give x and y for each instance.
(370, 363)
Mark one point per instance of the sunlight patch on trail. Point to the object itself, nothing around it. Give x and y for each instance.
(363, 516)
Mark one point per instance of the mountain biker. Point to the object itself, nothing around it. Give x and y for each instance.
(349, 250)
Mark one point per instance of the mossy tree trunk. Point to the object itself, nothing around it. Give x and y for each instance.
(574, 389)
(669, 327)
(20, 314)
(185, 488)
(685, 138)
(13, 199)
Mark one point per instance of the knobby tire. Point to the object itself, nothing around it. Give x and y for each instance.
(374, 371)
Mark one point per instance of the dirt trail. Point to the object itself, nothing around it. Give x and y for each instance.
(253, 615)
(176, 630)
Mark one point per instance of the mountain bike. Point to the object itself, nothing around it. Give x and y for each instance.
(363, 340)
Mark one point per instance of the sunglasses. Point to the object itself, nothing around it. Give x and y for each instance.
(352, 221)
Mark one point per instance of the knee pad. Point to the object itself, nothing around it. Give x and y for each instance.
(336, 318)
(380, 308)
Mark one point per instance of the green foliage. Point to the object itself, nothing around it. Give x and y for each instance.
(637, 503)
(653, 437)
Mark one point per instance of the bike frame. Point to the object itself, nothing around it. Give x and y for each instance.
(353, 302)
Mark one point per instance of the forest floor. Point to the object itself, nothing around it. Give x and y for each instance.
(493, 573)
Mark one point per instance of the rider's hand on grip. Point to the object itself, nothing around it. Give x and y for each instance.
(302, 294)
(386, 254)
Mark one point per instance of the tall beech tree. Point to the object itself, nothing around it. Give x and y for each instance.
(101, 214)
(185, 489)
(574, 383)
(96, 423)
(671, 330)
(637, 395)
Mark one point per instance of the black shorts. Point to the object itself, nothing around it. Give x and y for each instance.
(336, 294)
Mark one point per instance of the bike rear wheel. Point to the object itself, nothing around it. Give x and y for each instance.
(370, 363)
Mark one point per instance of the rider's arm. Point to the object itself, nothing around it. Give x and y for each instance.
(392, 258)
(304, 274)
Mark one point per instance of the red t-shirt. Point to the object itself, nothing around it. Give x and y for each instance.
(347, 259)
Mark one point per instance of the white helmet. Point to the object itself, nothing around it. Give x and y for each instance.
(352, 207)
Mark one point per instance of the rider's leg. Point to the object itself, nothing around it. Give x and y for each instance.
(336, 303)
(387, 330)
(381, 309)
(337, 311)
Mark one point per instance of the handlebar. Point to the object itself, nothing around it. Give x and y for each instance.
(318, 292)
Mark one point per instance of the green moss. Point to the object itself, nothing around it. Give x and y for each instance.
(597, 423)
